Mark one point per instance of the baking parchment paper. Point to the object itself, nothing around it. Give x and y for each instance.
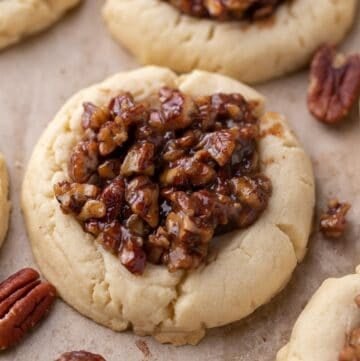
(39, 74)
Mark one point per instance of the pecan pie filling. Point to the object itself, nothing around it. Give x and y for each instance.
(228, 9)
(155, 181)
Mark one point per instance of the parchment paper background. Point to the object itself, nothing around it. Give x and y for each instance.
(38, 75)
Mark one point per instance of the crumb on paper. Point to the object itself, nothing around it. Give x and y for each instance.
(333, 221)
(143, 347)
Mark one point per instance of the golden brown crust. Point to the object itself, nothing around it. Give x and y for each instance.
(157, 33)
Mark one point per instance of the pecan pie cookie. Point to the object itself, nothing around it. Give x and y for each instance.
(4, 202)
(20, 18)
(328, 328)
(251, 40)
(175, 202)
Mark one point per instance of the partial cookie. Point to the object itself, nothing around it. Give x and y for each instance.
(321, 331)
(19, 19)
(251, 265)
(157, 33)
(4, 201)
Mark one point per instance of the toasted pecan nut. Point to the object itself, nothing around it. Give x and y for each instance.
(334, 85)
(93, 117)
(333, 222)
(80, 356)
(84, 161)
(24, 301)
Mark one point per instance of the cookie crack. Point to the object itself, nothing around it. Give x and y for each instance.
(178, 291)
(211, 32)
(286, 230)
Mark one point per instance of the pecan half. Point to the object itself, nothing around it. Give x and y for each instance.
(80, 356)
(334, 85)
(24, 301)
(333, 222)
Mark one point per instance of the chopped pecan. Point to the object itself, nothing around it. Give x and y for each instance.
(137, 226)
(80, 356)
(92, 209)
(111, 135)
(139, 160)
(176, 111)
(132, 256)
(253, 195)
(83, 161)
(94, 117)
(188, 171)
(142, 196)
(220, 145)
(73, 196)
(190, 227)
(109, 234)
(177, 148)
(126, 110)
(24, 301)
(181, 257)
(109, 169)
(231, 109)
(113, 197)
(246, 160)
(333, 223)
(334, 85)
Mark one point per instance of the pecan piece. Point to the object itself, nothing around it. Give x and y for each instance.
(139, 160)
(94, 117)
(83, 161)
(253, 194)
(333, 222)
(188, 171)
(109, 169)
(24, 301)
(92, 209)
(132, 255)
(334, 85)
(111, 136)
(113, 198)
(142, 196)
(176, 110)
(80, 356)
(126, 110)
(73, 196)
(220, 145)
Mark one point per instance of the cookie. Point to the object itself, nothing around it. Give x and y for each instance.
(19, 19)
(157, 33)
(248, 267)
(4, 201)
(322, 328)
